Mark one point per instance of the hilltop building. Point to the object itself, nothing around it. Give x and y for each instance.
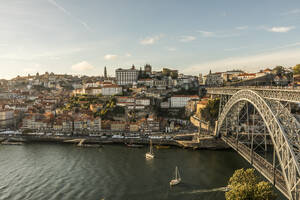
(127, 76)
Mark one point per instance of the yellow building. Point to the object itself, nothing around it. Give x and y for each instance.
(117, 126)
(200, 105)
(134, 127)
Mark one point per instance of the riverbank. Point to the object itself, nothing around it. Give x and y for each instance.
(208, 142)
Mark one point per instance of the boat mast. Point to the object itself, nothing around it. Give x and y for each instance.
(151, 147)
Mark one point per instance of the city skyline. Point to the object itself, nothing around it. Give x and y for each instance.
(82, 38)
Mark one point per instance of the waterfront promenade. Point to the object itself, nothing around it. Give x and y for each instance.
(176, 140)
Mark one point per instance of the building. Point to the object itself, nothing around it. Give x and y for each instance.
(191, 106)
(214, 79)
(180, 101)
(246, 76)
(134, 127)
(125, 101)
(200, 79)
(296, 80)
(201, 105)
(109, 90)
(231, 75)
(6, 118)
(142, 102)
(127, 76)
(148, 69)
(117, 126)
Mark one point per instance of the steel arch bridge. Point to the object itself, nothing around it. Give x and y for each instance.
(250, 122)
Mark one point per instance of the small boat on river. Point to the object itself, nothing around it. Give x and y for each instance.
(82, 144)
(150, 154)
(177, 179)
(134, 145)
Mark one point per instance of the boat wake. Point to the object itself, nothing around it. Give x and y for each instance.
(221, 189)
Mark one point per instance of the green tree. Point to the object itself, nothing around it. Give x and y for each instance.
(174, 75)
(211, 111)
(279, 70)
(296, 69)
(244, 185)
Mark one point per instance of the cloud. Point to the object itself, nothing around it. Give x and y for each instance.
(280, 29)
(295, 44)
(110, 57)
(252, 62)
(216, 35)
(241, 27)
(82, 67)
(151, 40)
(171, 49)
(206, 33)
(292, 12)
(187, 38)
(128, 55)
(62, 9)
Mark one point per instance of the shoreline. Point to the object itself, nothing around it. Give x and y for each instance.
(209, 143)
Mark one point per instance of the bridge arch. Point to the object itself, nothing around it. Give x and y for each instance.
(285, 140)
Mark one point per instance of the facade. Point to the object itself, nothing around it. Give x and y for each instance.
(6, 118)
(246, 76)
(109, 90)
(127, 76)
(200, 79)
(231, 75)
(134, 127)
(148, 69)
(201, 105)
(214, 79)
(117, 126)
(165, 104)
(142, 102)
(180, 101)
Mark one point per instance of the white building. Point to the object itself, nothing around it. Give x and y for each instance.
(180, 101)
(93, 90)
(108, 90)
(127, 76)
(142, 102)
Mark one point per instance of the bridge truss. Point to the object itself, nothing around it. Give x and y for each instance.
(250, 122)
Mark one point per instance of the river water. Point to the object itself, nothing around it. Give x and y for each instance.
(58, 172)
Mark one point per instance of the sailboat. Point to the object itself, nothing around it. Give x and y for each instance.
(177, 179)
(150, 154)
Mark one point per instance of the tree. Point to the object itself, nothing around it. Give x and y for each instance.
(279, 70)
(244, 185)
(296, 69)
(211, 111)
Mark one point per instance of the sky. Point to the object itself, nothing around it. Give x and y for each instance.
(194, 36)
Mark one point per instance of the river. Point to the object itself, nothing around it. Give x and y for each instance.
(114, 172)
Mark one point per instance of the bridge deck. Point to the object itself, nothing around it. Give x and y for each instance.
(280, 94)
(259, 163)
